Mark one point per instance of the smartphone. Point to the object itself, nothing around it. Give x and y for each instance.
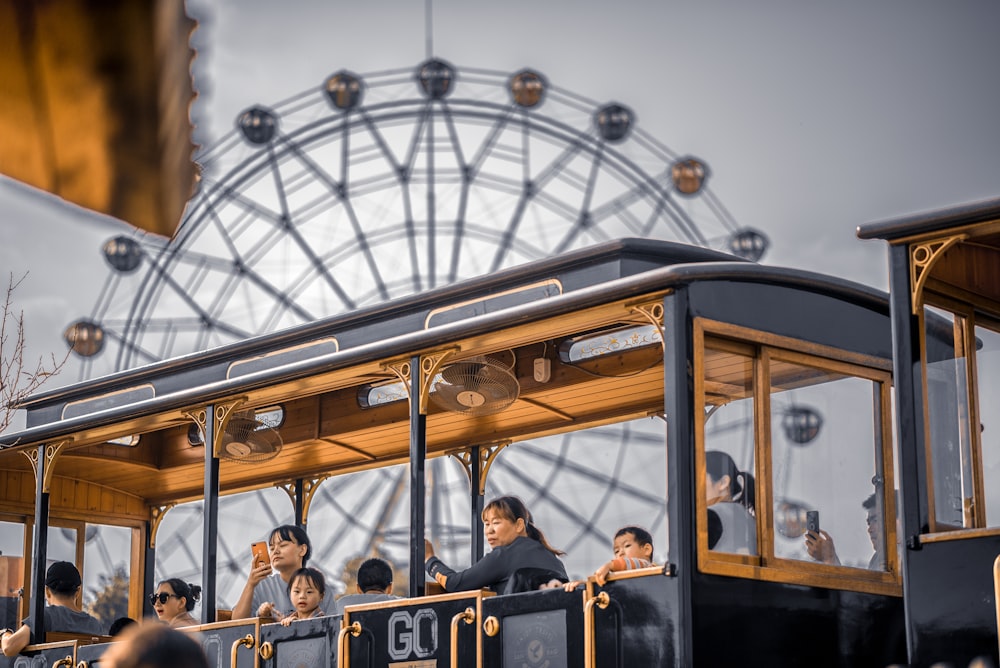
(812, 521)
(261, 556)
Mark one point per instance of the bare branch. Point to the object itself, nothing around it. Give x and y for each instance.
(18, 380)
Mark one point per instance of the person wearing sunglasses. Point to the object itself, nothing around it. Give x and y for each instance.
(173, 602)
(63, 612)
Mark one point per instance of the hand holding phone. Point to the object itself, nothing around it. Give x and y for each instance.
(261, 556)
(812, 521)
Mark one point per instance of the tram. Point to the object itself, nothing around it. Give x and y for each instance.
(872, 412)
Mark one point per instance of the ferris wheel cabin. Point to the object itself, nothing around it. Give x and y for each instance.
(699, 356)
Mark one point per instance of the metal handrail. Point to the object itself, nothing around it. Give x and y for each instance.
(468, 616)
(602, 601)
(247, 641)
(343, 646)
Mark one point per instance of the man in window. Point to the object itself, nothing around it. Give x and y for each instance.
(820, 545)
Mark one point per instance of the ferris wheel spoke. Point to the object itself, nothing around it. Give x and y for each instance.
(596, 476)
(542, 492)
(719, 209)
(431, 202)
(339, 190)
(187, 297)
(486, 148)
(507, 238)
(556, 166)
(459, 233)
(583, 220)
(304, 247)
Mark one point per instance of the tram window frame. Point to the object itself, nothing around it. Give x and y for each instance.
(965, 318)
(26, 535)
(761, 347)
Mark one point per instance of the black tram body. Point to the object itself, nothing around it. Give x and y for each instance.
(734, 336)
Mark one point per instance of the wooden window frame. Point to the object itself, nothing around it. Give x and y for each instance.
(765, 566)
(966, 316)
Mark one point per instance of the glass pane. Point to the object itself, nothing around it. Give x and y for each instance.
(988, 380)
(948, 415)
(106, 555)
(729, 452)
(824, 439)
(243, 518)
(582, 487)
(61, 545)
(11, 573)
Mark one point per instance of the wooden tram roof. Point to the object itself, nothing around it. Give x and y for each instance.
(955, 251)
(326, 431)
(96, 100)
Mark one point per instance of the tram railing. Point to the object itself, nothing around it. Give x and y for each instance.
(230, 644)
(413, 631)
(631, 620)
(43, 654)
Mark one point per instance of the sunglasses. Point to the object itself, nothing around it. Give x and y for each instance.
(162, 597)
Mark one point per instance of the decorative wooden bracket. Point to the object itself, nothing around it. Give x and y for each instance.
(223, 411)
(52, 451)
(309, 487)
(922, 259)
(487, 454)
(156, 514)
(651, 312)
(429, 366)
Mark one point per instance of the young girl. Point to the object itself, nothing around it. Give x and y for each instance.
(633, 548)
(306, 589)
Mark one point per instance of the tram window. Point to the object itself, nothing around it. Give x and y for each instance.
(106, 554)
(582, 486)
(953, 466)
(11, 573)
(243, 518)
(811, 424)
(988, 383)
(729, 450)
(824, 456)
(63, 544)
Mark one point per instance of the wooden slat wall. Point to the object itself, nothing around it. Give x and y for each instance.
(69, 497)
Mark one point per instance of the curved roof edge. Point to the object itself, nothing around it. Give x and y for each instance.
(931, 221)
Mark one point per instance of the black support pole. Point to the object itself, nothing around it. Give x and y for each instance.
(148, 573)
(39, 548)
(908, 385)
(418, 454)
(299, 503)
(678, 362)
(476, 506)
(211, 521)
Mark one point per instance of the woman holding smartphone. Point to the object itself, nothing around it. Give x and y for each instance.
(266, 591)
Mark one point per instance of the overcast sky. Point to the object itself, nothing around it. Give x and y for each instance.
(814, 117)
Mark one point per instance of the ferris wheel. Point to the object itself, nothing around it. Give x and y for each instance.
(372, 187)
(377, 186)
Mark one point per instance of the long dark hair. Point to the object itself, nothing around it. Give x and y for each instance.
(741, 483)
(191, 593)
(513, 509)
(295, 534)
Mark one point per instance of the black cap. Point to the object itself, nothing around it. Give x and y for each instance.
(62, 576)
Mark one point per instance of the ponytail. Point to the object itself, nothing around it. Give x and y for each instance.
(742, 489)
(191, 593)
(513, 509)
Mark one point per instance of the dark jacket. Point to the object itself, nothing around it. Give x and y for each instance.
(495, 569)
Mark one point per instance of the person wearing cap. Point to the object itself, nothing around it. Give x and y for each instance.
(63, 613)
